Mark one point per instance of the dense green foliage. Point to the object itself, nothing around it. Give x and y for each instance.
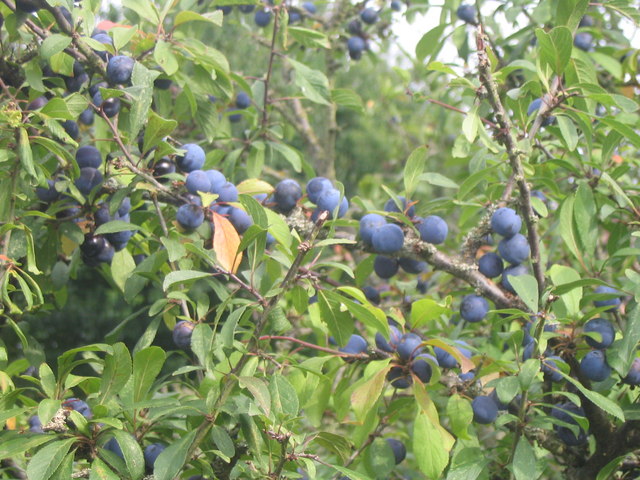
(176, 302)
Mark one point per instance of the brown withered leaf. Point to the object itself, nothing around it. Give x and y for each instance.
(225, 243)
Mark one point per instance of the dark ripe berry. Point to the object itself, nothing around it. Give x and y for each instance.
(594, 366)
(409, 346)
(119, 69)
(485, 410)
(506, 222)
(226, 10)
(356, 45)
(79, 406)
(49, 194)
(467, 13)
(411, 265)
(514, 249)
(396, 5)
(372, 294)
(35, 425)
(604, 328)
(385, 267)
(586, 21)
(197, 181)
(89, 179)
(246, 8)
(92, 245)
(446, 360)
(192, 159)
(394, 338)
(369, 15)
(37, 103)
(151, 453)
(398, 448)
(216, 179)
(329, 199)
(473, 308)
(433, 229)
(388, 238)
(28, 6)
(88, 156)
(294, 17)
(583, 41)
(633, 377)
(86, 117)
(310, 7)
(550, 368)
(421, 367)
(228, 193)
(355, 345)
(110, 106)
(565, 412)
(399, 378)
(490, 265)
(240, 220)
(105, 39)
(71, 128)
(113, 446)
(512, 271)
(287, 194)
(182, 334)
(390, 206)
(74, 84)
(190, 216)
(243, 100)
(355, 27)
(262, 18)
(613, 303)
(315, 186)
(164, 166)
(368, 225)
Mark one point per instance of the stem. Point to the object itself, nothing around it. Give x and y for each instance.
(272, 54)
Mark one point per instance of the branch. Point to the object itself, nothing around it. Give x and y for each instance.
(515, 155)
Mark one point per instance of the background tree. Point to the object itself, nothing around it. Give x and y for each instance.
(454, 296)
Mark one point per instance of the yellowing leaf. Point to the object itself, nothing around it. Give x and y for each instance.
(366, 395)
(225, 243)
(252, 186)
(466, 365)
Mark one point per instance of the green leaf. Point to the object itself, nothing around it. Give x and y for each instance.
(434, 178)
(172, 459)
(26, 156)
(165, 57)
(116, 372)
(47, 380)
(259, 390)
(427, 310)
(142, 92)
(555, 47)
(429, 42)
(54, 43)
(284, 399)
(526, 288)
(308, 37)
(608, 406)
(101, 471)
(182, 276)
(340, 323)
(379, 458)
(157, 128)
(186, 16)
(585, 217)
(428, 447)
(470, 124)
(147, 364)
(313, 83)
(413, 169)
(122, 265)
(223, 441)
(289, 154)
(132, 453)
(625, 350)
(568, 131)
(347, 98)
(47, 460)
(565, 224)
(524, 465)
(365, 396)
(460, 415)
